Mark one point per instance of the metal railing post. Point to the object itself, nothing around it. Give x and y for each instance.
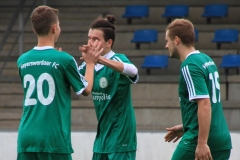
(20, 40)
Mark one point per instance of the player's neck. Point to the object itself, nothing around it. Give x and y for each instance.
(45, 41)
(185, 52)
(106, 51)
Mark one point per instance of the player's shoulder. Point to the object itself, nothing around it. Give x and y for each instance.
(196, 58)
(119, 57)
(63, 54)
(197, 61)
(24, 55)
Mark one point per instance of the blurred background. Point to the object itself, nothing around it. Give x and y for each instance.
(140, 34)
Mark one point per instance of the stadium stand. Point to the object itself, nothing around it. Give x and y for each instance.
(225, 36)
(231, 61)
(154, 61)
(196, 35)
(135, 11)
(215, 11)
(176, 11)
(144, 36)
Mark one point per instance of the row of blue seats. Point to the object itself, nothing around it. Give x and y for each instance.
(151, 35)
(176, 11)
(161, 61)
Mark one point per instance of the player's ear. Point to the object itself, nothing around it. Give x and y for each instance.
(109, 43)
(53, 28)
(176, 40)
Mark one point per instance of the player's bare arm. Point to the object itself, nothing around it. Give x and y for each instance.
(174, 133)
(90, 55)
(204, 120)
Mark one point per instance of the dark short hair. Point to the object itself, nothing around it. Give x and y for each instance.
(106, 25)
(42, 19)
(183, 29)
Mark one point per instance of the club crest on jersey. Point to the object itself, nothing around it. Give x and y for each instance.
(103, 83)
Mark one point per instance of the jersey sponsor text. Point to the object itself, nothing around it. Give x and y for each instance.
(100, 96)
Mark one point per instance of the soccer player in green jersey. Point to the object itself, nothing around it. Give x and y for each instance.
(47, 75)
(111, 94)
(204, 131)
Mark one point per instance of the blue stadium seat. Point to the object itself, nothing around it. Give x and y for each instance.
(196, 35)
(230, 61)
(215, 11)
(225, 36)
(144, 36)
(135, 11)
(155, 61)
(175, 11)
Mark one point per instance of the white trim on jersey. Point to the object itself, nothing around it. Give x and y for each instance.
(198, 97)
(80, 92)
(107, 56)
(117, 59)
(136, 79)
(85, 83)
(188, 79)
(82, 66)
(194, 52)
(190, 85)
(43, 48)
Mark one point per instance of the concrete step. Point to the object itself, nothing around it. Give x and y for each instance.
(10, 89)
(9, 72)
(150, 116)
(9, 64)
(10, 79)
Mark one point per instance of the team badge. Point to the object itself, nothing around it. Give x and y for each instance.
(103, 83)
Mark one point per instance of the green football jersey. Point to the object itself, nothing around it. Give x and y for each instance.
(199, 78)
(46, 76)
(112, 99)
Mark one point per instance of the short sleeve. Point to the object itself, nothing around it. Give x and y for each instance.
(82, 68)
(195, 81)
(124, 78)
(76, 80)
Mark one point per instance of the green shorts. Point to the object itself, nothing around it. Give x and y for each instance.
(43, 156)
(115, 156)
(181, 154)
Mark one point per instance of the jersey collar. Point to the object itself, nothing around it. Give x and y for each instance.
(194, 52)
(107, 56)
(43, 48)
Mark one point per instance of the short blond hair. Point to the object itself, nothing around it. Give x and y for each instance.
(183, 29)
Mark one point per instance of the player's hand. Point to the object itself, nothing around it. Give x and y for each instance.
(91, 53)
(203, 152)
(174, 133)
(59, 49)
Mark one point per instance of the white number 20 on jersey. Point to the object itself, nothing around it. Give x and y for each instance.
(215, 86)
(33, 85)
